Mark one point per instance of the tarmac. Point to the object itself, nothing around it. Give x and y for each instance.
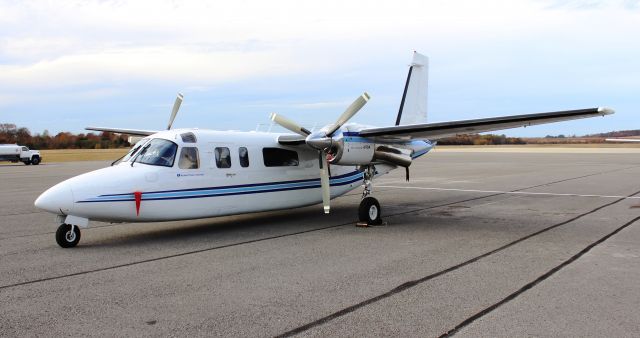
(492, 244)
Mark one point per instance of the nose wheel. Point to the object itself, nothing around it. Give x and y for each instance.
(67, 235)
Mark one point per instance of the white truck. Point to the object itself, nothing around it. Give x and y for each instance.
(15, 153)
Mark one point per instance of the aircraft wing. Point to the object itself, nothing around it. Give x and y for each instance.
(134, 132)
(438, 130)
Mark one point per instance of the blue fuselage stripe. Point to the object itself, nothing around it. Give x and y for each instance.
(228, 190)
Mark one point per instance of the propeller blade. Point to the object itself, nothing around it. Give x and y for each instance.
(174, 111)
(288, 124)
(324, 182)
(348, 114)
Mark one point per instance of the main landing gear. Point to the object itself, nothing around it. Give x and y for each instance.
(369, 211)
(68, 235)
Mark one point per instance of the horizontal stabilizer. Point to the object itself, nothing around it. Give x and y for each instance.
(438, 130)
(134, 132)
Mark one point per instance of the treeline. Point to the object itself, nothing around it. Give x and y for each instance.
(9, 133)
(480, 140)
(621, 133)
(564, 140)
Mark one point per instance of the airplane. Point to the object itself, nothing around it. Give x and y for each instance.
(190, 173)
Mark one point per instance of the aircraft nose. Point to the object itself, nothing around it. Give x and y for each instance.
(58, 199)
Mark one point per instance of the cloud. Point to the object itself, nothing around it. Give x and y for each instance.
(303, 105)
(201, 43)
(311, 56)
(150, 64)
(592, 4)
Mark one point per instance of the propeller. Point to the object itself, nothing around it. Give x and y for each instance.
(324, 182)
(322, 141)
(288, 124)
(348, 114)
(174, 111)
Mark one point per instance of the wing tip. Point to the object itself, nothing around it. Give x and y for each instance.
(606, 110)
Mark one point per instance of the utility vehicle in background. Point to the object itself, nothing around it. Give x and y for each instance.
(15, 153)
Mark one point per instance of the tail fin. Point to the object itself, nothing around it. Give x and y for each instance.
(413, 107)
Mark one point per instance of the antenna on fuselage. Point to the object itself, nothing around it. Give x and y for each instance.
(174, 111)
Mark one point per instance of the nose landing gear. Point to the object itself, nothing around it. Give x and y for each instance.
(369, 211)
(67, 235)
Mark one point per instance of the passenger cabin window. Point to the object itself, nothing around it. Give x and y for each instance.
(188, 137)
(243, 153)
(223, 157)
(25, 149)
(158, 152)
(278, 157)
(188, 158)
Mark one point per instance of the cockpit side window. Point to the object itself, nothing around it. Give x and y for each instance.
(223, 157)
(134, 150)
(158, 152)
(188, 158)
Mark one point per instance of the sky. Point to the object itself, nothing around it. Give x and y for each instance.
(65, 65)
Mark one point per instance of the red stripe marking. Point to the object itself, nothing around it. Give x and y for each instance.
(138, 196)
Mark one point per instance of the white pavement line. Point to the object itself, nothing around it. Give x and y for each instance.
(507, 192)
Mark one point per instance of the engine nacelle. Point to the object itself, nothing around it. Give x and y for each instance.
(351, 153)
(348, 152)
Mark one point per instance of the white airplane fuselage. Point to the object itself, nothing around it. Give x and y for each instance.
(167, 193)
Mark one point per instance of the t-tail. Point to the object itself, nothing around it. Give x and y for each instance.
(413, 106)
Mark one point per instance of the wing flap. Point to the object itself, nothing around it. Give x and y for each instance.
(134, 132)
(434, 131)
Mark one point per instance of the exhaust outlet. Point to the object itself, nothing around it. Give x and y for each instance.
(392, 156)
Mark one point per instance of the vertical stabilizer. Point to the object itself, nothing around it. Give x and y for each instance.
(413, 107)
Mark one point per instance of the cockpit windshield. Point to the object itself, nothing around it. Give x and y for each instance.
(134, 150)
(157, 152)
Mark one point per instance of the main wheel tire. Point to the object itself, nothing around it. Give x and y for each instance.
(67, 238)
(370, 211)
(35, 160)
(27, 162)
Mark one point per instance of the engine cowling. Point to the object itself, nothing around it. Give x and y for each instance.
(346, 151)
